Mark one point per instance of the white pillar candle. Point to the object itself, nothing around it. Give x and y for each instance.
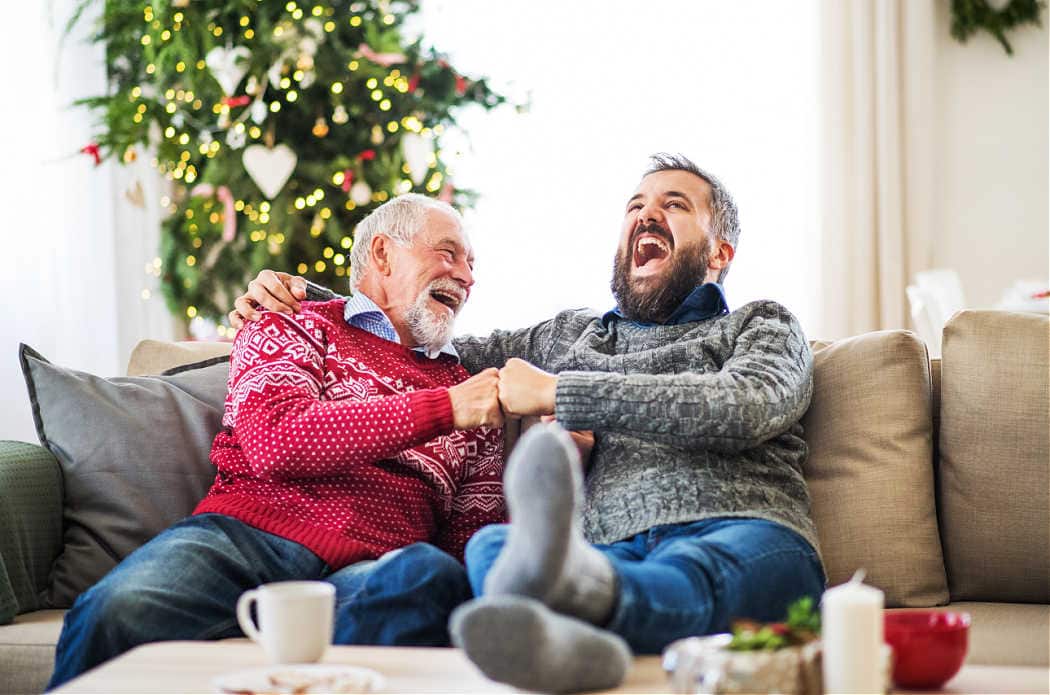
(851, 633)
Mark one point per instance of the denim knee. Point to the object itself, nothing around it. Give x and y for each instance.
(114, 610)
(422, 564)
(481, 552)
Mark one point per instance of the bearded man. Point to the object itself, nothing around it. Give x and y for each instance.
(356, 450)
(693, 510)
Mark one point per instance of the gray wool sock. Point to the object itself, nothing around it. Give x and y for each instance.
(519, 641)
(546, 556)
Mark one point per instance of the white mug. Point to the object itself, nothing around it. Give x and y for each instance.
(295, 619)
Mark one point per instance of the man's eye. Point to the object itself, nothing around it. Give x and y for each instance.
(634, 206)
(675, 204)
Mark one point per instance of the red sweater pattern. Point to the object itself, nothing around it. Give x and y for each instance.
(342, 441)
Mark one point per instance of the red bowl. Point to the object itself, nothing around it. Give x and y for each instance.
(929, 646)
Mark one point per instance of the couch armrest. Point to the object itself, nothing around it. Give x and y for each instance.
(30, 525)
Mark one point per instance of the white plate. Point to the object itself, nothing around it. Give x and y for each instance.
(299, 678)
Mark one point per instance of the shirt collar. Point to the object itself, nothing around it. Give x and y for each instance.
(704, 302)
(361, 312)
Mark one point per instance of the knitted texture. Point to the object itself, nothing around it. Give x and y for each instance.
(30, 525)
(692, 421)
(343, 442)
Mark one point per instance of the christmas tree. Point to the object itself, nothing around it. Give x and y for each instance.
(280, 126)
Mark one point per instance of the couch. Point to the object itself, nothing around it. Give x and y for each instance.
(932, 475)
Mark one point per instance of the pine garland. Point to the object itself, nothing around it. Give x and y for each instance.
(972, 16)
(334, 80)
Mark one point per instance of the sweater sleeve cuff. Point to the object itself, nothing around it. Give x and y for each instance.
(319, 293)
(432, 411)
(574, 401)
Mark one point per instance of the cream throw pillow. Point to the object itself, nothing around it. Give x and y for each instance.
(994, 472)
(870, 467)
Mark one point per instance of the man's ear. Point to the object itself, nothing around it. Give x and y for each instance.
(380, 250)
(721, 255)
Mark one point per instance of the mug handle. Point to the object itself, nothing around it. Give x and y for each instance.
(244, 616)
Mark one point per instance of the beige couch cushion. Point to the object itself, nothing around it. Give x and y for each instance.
(27, 651)
(994, 471)
(870, 467)
(155, 356)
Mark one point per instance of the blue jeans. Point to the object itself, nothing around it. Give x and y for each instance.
(184, 585)
(689, 579)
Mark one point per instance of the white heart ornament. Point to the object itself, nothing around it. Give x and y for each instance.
(417, 150)
(268, 168)
(228, 66)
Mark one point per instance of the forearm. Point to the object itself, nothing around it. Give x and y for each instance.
(530, 344)
(291, 434)
(727, 411)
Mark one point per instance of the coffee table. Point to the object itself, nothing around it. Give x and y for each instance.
(189, 667)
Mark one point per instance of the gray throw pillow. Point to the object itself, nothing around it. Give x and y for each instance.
(134, 457)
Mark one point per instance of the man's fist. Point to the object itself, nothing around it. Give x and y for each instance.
(475, 402)
(526, 390)
(271, 290)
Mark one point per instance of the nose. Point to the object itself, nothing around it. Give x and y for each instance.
(462, 274)
(650, 212)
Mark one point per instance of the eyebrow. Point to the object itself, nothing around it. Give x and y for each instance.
(450, 241)
(456, 245)
(669, 194)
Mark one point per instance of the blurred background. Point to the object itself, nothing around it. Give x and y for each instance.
(887, 172)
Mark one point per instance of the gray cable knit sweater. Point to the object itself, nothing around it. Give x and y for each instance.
(691, 421)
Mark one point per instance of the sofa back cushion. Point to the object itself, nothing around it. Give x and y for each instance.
(134, 458)
(994, 469)
(158, 356)
(870, 468)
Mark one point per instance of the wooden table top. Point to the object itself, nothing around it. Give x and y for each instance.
(190, 667)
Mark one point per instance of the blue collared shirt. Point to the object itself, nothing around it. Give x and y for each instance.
(361, 312)
(705, 302)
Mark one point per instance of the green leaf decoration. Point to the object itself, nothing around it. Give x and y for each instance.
(972, 16)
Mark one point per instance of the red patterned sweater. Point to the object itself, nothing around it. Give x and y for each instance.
(343, 442)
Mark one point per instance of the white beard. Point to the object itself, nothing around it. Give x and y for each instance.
(430, 330)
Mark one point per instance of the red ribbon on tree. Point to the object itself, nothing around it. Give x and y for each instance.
(348, 179)
(367, 155)
(234, 102)
(92, 149)
(413, 83)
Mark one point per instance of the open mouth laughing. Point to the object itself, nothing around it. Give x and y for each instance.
(651, 249)
(448, 297)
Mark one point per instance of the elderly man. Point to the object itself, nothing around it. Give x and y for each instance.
(355, 450)
(695, 502)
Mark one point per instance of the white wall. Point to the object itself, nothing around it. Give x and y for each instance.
(991, 145)
(732, 84)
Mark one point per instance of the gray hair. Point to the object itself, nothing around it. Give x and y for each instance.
(724, 221)
(400, 218)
